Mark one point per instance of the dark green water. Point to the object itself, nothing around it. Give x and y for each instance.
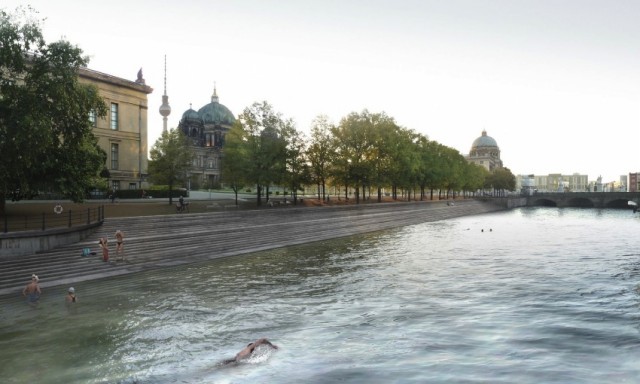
(526, 296)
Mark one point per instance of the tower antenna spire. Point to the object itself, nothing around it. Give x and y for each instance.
(165, 109)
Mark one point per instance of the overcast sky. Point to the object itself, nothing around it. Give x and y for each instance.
(555, 83)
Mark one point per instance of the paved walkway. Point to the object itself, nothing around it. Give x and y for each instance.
(153, 242)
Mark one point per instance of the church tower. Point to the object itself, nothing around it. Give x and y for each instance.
(165, 109)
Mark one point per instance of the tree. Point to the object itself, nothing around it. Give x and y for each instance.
(46, 139)
(297, 172)
(235, 164)
(171, 158)
(263, 142)
(353, 143)
(319, 153)
(502, 180)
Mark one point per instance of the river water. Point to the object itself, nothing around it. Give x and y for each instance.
(540, 295)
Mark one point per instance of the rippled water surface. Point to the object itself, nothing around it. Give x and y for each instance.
(526, 296)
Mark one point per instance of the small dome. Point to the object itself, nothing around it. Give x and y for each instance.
(484, 141)
(216, 113)
(190, 115)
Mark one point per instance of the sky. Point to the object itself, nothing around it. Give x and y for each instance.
(555, 83)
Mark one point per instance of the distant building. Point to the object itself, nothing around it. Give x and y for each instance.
(207, 129)
(527, 184)
(623, 186)
(122, 133)
(485, 152)
(553, 182)
(634, 182)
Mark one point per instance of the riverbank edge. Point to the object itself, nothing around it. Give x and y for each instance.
(174, 253)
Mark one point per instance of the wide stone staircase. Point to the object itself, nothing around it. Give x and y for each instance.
(170, 240)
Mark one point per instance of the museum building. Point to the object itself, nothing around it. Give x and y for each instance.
(122, 133)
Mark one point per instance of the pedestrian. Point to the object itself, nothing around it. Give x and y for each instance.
(32, 291)
(105, 248)
(120, 244)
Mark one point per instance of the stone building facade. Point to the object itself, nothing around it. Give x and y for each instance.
(122, 133)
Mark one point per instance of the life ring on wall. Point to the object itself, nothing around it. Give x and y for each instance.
(58, 209)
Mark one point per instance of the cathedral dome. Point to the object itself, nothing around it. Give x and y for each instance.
(191, 116)
(216, 113)
(484, 141)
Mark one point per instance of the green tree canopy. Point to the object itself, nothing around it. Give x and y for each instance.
(46, 139)
(261, 135)
(171, 159)
(502, 180)
(319, 153)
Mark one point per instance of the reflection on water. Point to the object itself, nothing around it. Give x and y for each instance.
(541, 295)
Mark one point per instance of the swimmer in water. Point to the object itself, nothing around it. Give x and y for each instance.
(248, 351)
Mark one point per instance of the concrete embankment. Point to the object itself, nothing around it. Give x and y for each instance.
(153, 242)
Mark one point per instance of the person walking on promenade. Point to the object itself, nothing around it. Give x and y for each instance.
(32, 291)
(105, 248)
(120, 244)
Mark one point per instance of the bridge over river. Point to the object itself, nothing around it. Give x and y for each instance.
(584, 199)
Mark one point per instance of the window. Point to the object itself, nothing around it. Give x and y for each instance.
(132, 186)
(115, 185)
(114, 116)
(114, 156)
(92, 118)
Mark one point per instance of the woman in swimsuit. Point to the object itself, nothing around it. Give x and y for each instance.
(105, 248)
(120, 244)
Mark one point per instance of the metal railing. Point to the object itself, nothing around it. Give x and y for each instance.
(56, 220)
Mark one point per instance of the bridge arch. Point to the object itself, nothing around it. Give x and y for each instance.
(544, 203)
(618, 203)
(580, 202)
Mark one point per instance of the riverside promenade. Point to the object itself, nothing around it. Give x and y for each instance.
(153, 242)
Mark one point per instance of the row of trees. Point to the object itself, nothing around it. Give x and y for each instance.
(367, 152)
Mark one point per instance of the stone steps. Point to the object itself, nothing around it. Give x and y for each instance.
(161, 241)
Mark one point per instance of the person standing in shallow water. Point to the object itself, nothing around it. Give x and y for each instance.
(71, 296)
(120, 244)
(70, 301)
(105, 248)
(32, 291)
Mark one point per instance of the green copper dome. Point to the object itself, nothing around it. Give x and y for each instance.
(484, 141)
(216, 113)
(190, 115)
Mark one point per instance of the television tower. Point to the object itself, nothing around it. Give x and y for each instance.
(165, 109)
